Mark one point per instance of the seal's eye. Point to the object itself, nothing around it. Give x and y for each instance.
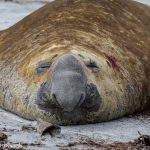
(92, 65)
(44, 65)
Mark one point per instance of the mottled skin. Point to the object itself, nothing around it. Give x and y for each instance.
(108, 39)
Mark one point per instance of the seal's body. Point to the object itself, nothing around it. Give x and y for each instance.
(77, 61)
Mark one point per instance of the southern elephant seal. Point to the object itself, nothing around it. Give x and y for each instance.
(77, 62)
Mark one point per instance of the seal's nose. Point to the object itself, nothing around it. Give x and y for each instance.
(68, 83)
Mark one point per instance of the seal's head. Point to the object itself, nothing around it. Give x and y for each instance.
(67, 90)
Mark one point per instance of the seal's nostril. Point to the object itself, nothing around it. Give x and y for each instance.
(82, 97)
(54, 97)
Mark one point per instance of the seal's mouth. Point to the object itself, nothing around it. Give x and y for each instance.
(68, 91)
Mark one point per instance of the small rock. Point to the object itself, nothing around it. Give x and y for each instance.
(3, 136)
(28, 128)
